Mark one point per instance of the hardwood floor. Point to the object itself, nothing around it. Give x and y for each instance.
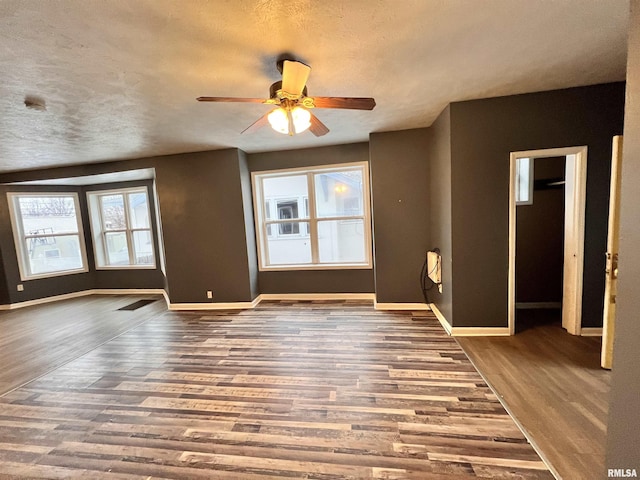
(38, 339)
(553, 385)
(308, 390)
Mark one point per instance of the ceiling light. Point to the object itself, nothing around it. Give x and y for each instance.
(290, 121)
(301, 119)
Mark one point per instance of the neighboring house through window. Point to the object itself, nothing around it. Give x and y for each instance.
(313, 217)
(48, 234)
(121, 228)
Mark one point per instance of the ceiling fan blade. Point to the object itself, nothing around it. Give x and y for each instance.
(317, 127)
(294, 77)
(354, 103)
(230, 99)
(261, 122)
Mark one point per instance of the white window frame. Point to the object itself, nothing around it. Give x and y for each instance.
(262, 221)
(20, 237)
(99, 232)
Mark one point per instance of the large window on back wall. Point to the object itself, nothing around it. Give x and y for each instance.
(48, 235)
(313, 218)
(121, 228)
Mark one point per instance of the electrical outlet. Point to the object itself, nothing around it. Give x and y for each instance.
(209, 294)
(20, 287)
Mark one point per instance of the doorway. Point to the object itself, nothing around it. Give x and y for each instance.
(521, 190)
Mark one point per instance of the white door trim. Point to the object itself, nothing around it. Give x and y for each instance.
(574, 249)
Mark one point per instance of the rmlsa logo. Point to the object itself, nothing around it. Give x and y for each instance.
(622, 473)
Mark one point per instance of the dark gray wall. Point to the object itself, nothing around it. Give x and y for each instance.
(483, 133)
(203, 220)
(400, 197)
(249, 224)
(203, 225)
(540, 237)
(439, 155)
(623, 437)
(4, 292)
(313, 281)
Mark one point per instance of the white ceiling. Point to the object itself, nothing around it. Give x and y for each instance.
(120, 77)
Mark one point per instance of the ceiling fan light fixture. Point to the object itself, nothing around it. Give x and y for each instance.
(301, 119)
(279, 120)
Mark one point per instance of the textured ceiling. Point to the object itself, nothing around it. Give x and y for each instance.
(120, 77)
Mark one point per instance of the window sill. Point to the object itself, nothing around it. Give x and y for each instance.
(53, 274)
(342, 266)
(127, 267)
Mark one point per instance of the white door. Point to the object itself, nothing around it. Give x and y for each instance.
(611, 271)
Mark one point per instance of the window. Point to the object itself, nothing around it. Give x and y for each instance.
(121, 228)
(524, 181)
(48, 234)
(313, 218)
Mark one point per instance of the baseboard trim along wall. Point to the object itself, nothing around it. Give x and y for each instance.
(215, 306)
(453, 331)
(443, 321)
(468, 331)
(84, 293)
(271, 296)
(480, 331)
(317, 296)
(591, 332)
(400, 306)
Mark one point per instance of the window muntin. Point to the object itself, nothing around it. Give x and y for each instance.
(48, 234)
(330, 206)
(121, 228)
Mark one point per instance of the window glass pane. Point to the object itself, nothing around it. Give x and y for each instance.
(523, 181)
(138, 210)
(294, 250)
(48, 215)
(143, 247)
(267, 213)
(117, 248)
(113, 212)
(286, 187)
(339, 194)
(53, 254)
(341, 241)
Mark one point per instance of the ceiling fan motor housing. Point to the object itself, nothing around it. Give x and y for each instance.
(277, 86)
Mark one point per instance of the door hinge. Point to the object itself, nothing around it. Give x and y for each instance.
(611, 267)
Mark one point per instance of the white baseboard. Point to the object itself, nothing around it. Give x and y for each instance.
(84, 293)
(480, 331)
(591, 332)
(317, 296)
(195, 306)
(468, 331)
(443, 321)
(400, 306)
(215, 306)
(271, 296)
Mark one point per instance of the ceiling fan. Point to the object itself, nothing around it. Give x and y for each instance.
(292, 114)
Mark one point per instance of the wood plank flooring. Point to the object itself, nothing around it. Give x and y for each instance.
(307, 390)
(553, 385)
(35, 340)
